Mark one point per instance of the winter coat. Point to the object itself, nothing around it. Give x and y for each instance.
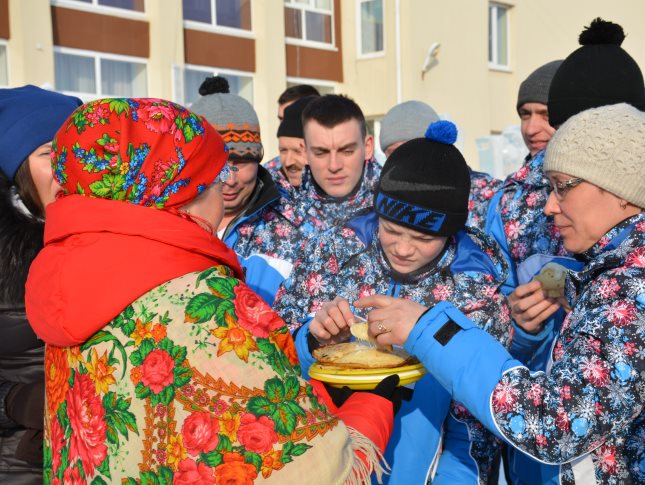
(482, 189)
(175, 371)
(584, 414)
(21, 353)
(350, 263)
(529, 239)
(266, 237)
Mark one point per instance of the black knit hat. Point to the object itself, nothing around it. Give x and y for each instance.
(291, 124)
(425, 183)
(597, 74)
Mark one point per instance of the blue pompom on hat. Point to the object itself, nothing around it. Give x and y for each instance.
(425, 183)
(29, 117)
(442, 131)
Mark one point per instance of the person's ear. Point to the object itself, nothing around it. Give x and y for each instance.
(369, 147)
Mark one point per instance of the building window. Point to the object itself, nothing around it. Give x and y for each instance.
(234, 14)
(309, 20)
(92, 75)
(4, 70)
(371, 26)
(498, 35)
(136, 5)
(240, 84)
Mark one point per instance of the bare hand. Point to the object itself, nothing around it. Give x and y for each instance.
(530, 307)
(391, 319)
(331, 323)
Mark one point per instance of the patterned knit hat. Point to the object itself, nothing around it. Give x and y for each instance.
(425, 183)
(29, 117)
(406, 121)
(148, 152)
(232, 116)
(535, 88)
(604, 146)
(597, 74)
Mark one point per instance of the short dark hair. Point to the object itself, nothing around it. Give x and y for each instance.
(27, 190)
(296, 92)
(333, 109)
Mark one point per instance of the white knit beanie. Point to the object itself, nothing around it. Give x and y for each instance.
(604, 146)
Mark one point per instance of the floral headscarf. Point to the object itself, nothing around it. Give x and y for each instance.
(148, 152)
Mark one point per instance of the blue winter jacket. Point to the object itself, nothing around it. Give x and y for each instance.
(583, 416)
(349, 262)
(266, 237)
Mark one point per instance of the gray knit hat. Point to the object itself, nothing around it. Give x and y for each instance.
(232, 116)
(406, 121)
(604, 146)
(535, 88)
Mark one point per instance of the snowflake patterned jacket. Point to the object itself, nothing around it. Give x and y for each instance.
(266, 237)
(351, 264)
(321, 212)
(585, 413)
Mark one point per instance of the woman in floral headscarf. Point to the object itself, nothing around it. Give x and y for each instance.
(161, 365)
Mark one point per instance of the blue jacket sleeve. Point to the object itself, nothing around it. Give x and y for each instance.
(469, 365)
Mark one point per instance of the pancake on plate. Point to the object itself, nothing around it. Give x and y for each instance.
(357, 355)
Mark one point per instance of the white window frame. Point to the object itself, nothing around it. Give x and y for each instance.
(304, 41)
(359, 34)
(3, 43)
(94, 7)
(314, 82)
(493, 63)
(219, 29)
(97, 70)
(216, 71)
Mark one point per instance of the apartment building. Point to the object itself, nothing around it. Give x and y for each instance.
(466, 58)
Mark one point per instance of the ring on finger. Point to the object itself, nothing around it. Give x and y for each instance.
(382, 328)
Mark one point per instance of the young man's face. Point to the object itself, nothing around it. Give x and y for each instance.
(535, 126)
(336, 155)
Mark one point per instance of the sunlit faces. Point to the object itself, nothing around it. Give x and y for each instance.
(535, 126)
(41, 173)
(238, 188)
(292, 158)
(408, 250)
(336, 155)
(584, 213)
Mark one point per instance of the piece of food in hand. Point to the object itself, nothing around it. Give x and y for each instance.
(360, 330)
(355, 355)
(552, 276)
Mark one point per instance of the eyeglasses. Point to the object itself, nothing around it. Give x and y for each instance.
(561, 188)
(225, 174)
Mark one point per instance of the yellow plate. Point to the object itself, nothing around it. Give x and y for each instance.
(364, 379)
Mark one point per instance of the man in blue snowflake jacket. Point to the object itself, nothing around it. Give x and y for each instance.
(412, 245)
(583, 416)
(260, 221)
(341, 174)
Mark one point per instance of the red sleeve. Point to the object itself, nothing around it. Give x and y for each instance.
(376, 424)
